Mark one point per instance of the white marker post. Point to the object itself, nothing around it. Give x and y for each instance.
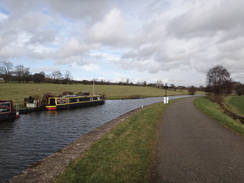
(166, 98)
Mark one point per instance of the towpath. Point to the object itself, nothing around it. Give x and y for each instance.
(194, 148)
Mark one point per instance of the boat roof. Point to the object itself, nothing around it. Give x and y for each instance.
(73, 96)
(5, 100)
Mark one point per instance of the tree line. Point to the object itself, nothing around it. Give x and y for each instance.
(218, 80)
(21, 74)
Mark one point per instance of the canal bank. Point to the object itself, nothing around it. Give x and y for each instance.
(53, 165)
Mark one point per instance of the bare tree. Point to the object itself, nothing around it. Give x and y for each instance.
(127, 81)
(159, 83)
(172, 87)
(6, 69)
(219, 81)
(22, 73)
(67, 78)
(67, 75)
(56, 76)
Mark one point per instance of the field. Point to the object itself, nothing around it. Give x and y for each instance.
(235, 104)
(213, 110)
(18, 91)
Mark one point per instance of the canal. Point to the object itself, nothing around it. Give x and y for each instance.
(35, 136)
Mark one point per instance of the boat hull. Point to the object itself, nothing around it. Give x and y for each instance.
(7, 116)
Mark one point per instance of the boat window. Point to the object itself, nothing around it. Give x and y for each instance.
(5, 107)
(52, 102)
(63, 101)
(84, 99)
(73, 100)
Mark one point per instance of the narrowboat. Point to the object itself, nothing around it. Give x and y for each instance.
(73, 101)
(7, 110)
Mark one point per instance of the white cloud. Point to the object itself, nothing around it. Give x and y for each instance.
(148, 39)
(91, 10)
(110, 31)
(3, 17)
(91, 67)
(208, 17)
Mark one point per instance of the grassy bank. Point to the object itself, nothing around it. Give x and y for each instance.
(19, 91)
(124, 154)
(235, 104)
(214, 111)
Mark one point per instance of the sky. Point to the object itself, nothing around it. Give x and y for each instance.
(173, 41)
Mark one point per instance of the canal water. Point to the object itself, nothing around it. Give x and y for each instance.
(35, 136)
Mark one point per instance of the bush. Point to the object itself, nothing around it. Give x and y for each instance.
(218, 99)
(192, 90)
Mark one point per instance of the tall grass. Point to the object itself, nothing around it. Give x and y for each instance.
(124, 154)
(213, 110)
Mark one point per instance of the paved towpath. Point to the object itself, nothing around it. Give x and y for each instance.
(194, 148)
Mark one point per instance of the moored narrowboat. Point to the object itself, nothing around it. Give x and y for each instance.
(73, 101)
(7, 110)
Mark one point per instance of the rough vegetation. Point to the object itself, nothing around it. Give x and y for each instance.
(235, 104)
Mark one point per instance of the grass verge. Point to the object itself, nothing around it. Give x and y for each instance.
(213, 110)
(125, 154)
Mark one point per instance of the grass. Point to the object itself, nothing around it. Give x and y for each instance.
(125, 154)
(235, 104)
(18, 91)
(213, 110)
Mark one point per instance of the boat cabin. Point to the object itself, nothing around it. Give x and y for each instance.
(7, 110)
